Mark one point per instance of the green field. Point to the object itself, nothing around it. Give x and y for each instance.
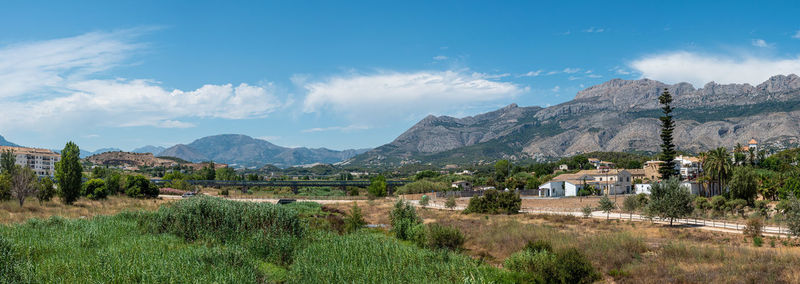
(204, 239)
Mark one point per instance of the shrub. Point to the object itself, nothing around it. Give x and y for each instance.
(737, 206)
(451, 202)
(758, 241)
(377, 186)
(495, 202)
(587, 211)
(574, 267)
(352, 191)
(114, 183)
(424, 201)
(541, 266)
(718, 203)
(422, 186)
(46, 190)
(444, 237)
(545, 266)
(139, 186)
(606, 205)
(95, 189)
(762, 207)
(753, 227)
(403, 218)
(224, 192)
(538, 245)
(355, 220)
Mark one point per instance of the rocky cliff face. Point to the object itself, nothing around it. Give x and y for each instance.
(618, 115)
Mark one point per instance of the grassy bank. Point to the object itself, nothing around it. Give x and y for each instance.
(207, 240)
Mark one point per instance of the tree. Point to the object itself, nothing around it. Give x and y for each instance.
(744, 184)
(23, 183)
(719, 204)
(7, 162)
(790, 208)
(355, 220)
(718, 165)
(702, 204)
(114, 183)
(95, 189)
(606, 205)
(587, 211)
(451, 202)
(377, 186)
(630, 205)
(46, 190)
(670, 200)
(403, 218)
(424, 201)
(139, 186)
(208, 172)
(668, 152)
(5, 187)
(69, 173)
(226, 173)
(502, 170)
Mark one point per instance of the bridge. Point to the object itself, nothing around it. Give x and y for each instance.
(294, 184)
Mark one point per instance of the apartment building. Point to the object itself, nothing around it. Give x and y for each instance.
(41, 161)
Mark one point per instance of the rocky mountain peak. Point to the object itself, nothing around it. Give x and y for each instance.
(780, 84)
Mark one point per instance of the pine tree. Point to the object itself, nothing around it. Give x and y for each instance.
(667, 169)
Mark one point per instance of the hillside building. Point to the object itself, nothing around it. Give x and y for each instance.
(608, 181)
(41, 161)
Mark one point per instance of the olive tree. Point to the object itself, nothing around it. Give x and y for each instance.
(670, 200)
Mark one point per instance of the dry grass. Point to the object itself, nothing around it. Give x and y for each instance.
(10, 212)
(625, 252)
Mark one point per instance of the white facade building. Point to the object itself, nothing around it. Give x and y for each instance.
(607, 181)
(693, 187)
(41, 161)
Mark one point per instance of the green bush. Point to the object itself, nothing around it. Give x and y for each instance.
(355, 220)
(495, 202)
(377, 186)
(758, 241)
(451, 202)
(543, 265)
(139, 186)
(444, 237)
(538, 245)
(422, 186)
(403, 218)
(46, 190)
(424, 201)
(95, 189)
(587, 211)
(574, 267)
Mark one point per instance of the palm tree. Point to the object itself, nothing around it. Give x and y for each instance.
(703, 177)
(719, 167)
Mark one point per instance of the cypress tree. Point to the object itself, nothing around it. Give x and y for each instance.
(667, 156)
(69, 173)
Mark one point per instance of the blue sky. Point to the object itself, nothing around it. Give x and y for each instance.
(342, 74)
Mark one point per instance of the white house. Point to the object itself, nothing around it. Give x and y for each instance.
(689, 167)
(608, 181)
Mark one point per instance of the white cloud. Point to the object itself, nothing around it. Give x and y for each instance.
(759, 43)
(594, 76)
(571, 70)
(531, 73)
(698, 69)
(348, 128)
(594, 30)
(796, 34)
(552, 73)
(440, 57)
(389, 95)
(556, 89)
(51, 84)
(268, 138)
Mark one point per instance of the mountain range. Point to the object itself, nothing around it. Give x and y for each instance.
(245, 151)
(618, 115)
(4, 142)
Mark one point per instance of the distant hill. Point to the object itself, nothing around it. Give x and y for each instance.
(155, 150)
(118, 158)
(246, 151)
(4, 142)
(615, 116)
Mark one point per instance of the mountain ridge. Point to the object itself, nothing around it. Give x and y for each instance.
(617, 115)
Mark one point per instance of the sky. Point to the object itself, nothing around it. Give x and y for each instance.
(350, 74)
